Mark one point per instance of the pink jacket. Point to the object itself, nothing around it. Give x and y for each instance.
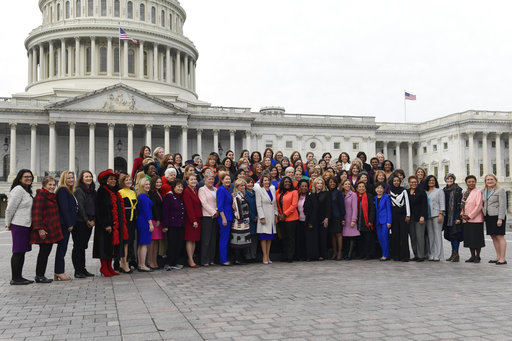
(350, 215)
(473, 207)
(208, 201)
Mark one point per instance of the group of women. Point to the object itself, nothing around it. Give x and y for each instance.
(229, 212)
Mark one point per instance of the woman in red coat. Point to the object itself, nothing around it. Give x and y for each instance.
(193, 214)
(45, 225)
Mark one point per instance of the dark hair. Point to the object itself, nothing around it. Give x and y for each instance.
(81, 180)
(322, 160)
(361, 182)
(146, 167)
(229, 151)
(193, 156)
(348, 156)
(362, 154)
(430, 177)
(470, 176)
(325, 154)
(217, 157)
(174, 159)
(391, 163)
(343, 171)
(301, 181)
(226, 159)
(252, 157)
(142, 149)
(412, 177)
(17, 180)
(153, 181)
(281, 185)
(380, 184)
(399, 171)
(331, 178)
(265, 152)
(374, 158)
(242, 153)
(176, 183)
(240, 170)
(277, 171)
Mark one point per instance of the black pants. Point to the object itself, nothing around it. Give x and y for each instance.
(399, 238)
(81, 234)
(17, 261)
(367, 245)
(42, 258)
(324, 237)
(209, 230)
(300, 240)
(312, 242)
(62, 248)
(288, 231)
(175, 237)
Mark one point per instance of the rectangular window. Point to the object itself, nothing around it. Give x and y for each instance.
(131, 62)
(162, 19)
(67, 10)
(446, 169)
(78, 8)
(130, 10)
(394, 151)
(494, 168)
(424, 150)
(170, 22)
(434, 147)
(506, 144)
(268, 144)
(337, 145)
(481, 169)
(56, 64)
(153, 15)
(103, 60)
(467, 143)
(289, 144)
(415, 151)
(88, 60)
(103, 8)
(445, 145)
(142, 12)
(507, 169)
(117, 9)
(355, 146)
(435, 171)
(90, 8)
(467, 168)
(493, 144)
(116, 60)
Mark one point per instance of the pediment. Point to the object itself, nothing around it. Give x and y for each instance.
(117, 98)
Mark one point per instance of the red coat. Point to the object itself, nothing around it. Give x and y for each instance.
(193, 214)
(166, 187)
(45, 215)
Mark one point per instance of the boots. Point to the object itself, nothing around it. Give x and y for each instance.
(351, 247)
(456, 257)
(110, 268)
(104, 268)
(451, 257)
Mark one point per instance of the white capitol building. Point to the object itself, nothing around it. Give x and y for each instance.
(91, 102)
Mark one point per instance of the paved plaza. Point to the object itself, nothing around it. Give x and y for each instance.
(355, 300)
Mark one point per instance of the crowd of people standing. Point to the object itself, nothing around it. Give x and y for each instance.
(230, 211)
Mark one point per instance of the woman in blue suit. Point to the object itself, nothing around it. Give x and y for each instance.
(383, 218)
(225, 207)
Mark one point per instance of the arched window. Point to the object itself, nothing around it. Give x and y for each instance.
(67, 10)
(142, 12)
(153, 15)
(116, 60)
(58, 12)
(130, 10)
(103, 59)
(103, 8)
(131, 62)
(78, 9)
(162, 19)
(90, 8)
(117, 9)
(170, 21)
(50, 15)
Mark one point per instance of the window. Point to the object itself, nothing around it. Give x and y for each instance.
(162, 19)
(103, 8)
(434, 147)
(394, 151)
(130, 10)
(481, 169)
(88, 60)
(494, 169)
(142, 12)
(493, 145)
(56, 63)
(145, 63)
(164, 67)
(507, 169)
(268, 144)
(355, 146)
(435, 171)
(506, 144)
(445, 145)
(446, 169)
(117, 9)
(337, 145)
(67, 60)
(467, 143)
(467, 168)
(153, 15)
(103, 59)
(67, 10)
(58, 12)
(131, 61)
(289, 144)
(116, 60)
(170, 22)
(78, 8)
(415, 151)
(50, 15)
(90, 8)
(480, 144)
(424, 150)
(312, 145)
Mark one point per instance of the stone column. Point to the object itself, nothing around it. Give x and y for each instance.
(41, 62)
(33, 147)
(155, 62)
(148, 135)
(398, 159)
(168, 64)
(34, 65)
(385, 149)
(248, 140)
(510, 156)
(52, 157)
(30, 62)
(12, 156)
(200, 142)
(109, 56)
(77, 57)
(94, 59)
(485, 159)
(471, 136)
(72, 146)
(232, 133)
(184, 142)
(62, 70)
(129, 156)
(185, 80)
(167, 138)
(92, 151)
(125, 58)
(410, 161)
(216, 140)
(70, 60)
(51, 68)
(177, 69)
(194, 76)
(499, 161)
(141, 59)
(111, 145)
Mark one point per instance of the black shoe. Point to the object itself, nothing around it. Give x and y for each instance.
(419, 260)
(477, 260)
(404, 260)
(42, 279)
(87, 273)
(492, 261)
(501, 263)
(21, 281)
(414, 259)
(123, 271)
(80, 275)
(116, 265)
(471, 259)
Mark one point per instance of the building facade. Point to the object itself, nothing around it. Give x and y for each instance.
(92, 100)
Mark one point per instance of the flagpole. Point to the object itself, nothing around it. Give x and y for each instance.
(405, 109)
(119, 54)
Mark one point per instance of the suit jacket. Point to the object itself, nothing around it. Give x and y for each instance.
(224, 204)
(437, 202)
(350, 208)
(266, 209)
(473, 207)
(290, 201)
(383, 210)
(68, 207)
(495, 204)
(317, 207)
(208, 201)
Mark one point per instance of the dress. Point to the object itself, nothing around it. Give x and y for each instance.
(473, 228)
(350, 215)
(130, 207)
(144, 215)
(240, 228)
(193, 214)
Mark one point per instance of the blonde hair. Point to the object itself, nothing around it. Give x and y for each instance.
(122, 178)
(377, 173)
(140, 186)
(155, 153)
(342, 186)
(239, 182)
(62, 181)
(495, 179)
(317, 180)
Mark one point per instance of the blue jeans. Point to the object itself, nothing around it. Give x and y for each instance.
(455, 245)
(383, 236)
(224, 241)
(62, 248)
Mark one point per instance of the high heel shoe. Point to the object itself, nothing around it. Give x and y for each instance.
(61, 277)
(121, 270)
(104, 269)
(108, 263)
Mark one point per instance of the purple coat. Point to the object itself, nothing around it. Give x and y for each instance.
(350, 215)
(173, 211)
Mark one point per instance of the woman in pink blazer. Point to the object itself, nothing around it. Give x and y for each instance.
(350, 230)
(472, 219)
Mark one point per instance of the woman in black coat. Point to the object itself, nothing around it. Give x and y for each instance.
(452, 223)
(111, 228)
(85, 194)
(366, 221)
(318, 211)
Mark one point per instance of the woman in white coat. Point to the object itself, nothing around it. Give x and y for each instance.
(267, 214)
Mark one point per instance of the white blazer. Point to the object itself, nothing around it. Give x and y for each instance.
(266, 209)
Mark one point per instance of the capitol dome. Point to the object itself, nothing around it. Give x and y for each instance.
(77, 49)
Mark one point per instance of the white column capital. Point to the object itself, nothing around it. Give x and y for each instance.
(51, 124)
(149, 126)
(111, 125)
(13, 125)
(72, 124)
(184, 128)
(216, 131)
(199, 131)
(130, 126)
(33, 125)
(232, 131)
(167, 126)
(92, 124)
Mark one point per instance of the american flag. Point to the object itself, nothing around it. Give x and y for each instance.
(410, 97)
(124, 36)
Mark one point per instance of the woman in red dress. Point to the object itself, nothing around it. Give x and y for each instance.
(193, 214)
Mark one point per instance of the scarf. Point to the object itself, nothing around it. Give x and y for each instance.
(450, 190)
(90, 202)
(463, 201)
(128, 193)
(114, 196)
(363, 202)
